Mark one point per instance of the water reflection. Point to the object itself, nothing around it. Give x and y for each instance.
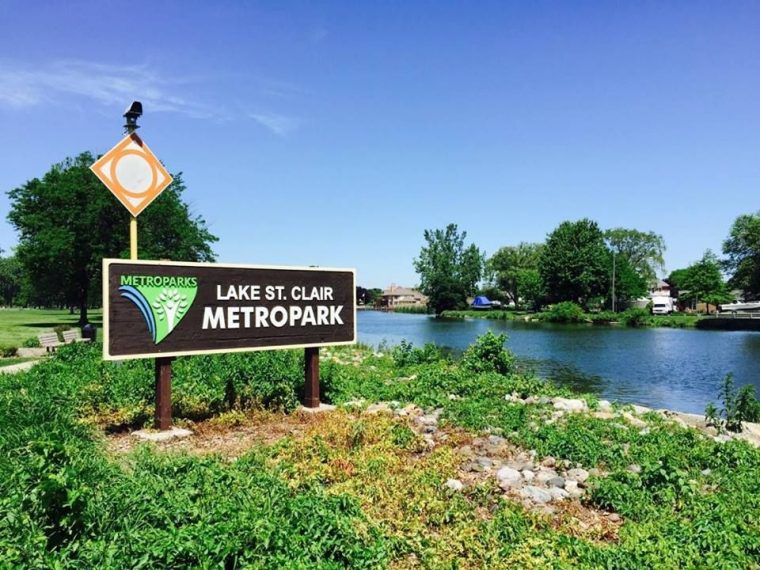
(669, 368)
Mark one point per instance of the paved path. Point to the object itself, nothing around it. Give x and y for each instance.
(20, 367)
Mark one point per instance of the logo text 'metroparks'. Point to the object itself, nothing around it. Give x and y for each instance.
(158, 281)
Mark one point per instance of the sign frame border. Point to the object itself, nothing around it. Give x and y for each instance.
(107, 262)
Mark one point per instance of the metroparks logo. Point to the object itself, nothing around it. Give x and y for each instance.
(163, 301)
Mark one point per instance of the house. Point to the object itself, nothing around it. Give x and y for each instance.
(395, 296)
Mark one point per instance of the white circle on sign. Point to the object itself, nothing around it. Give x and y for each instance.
(134, 173)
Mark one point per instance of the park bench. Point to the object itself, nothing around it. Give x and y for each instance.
(73, 335)
(49, 341)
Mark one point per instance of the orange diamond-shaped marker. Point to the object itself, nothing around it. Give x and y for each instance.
(132, 173)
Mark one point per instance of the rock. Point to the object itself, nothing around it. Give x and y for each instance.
(544, 400)
(570, 405)
(454, 397)
(528, 475)
(476, 467)
(556, 482)
(639, 410)
(508, 476)
(545, 474)
(429, 440)
(536, 494)
(722, 438)
(604, 415)
(429, 429)
(427, 420)
(549, 461)
(484, 462)
(605, 406)
(634, 421)
(380, 407)
(558, 494)
(455, 484)
(579, 475)
(571, 487)
(496, 440)
(530, 400)
(400, 412)
(634, 468)
(706, 472)
(594, 472)
(613, 517)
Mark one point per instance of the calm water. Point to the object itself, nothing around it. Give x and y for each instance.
(664, 368)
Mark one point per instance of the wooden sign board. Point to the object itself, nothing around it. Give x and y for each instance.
(163, 309)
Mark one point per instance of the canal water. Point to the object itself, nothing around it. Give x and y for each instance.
(679, 369)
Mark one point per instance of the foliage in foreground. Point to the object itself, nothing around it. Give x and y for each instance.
(356, 492)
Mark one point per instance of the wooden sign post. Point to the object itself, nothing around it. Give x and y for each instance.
(161, 310)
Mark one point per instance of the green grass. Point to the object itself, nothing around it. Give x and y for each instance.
(18, 325)
(15, 360)
(356, 492)
(676, 320)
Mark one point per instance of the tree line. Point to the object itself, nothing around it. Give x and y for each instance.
(67, 222)
(582, 263)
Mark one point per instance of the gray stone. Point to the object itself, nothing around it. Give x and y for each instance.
(485, 461)
(545, 475)
(613, 517)
(427, 420)
(707, 472)
(496, 440)
(579, 475)
(549, 461)
(556, 482)
(605, 406)
(571, 487)
(455, 484)
(570, 405)
(536, 494)
(165, 435)
(476, 467)
(544, 400)
(558, 494)
(507, 475)
(528, 475)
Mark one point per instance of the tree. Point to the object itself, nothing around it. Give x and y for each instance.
(643, 251)
(574, 264)
(743, 250)
(531, 287)
(448, 271)
(11, 280)
(703, 281)
(68, 222)
(629, 283)
(507, 264)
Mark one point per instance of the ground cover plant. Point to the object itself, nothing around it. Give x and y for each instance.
(356, 490)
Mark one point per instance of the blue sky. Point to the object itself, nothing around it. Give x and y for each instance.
(334, 133)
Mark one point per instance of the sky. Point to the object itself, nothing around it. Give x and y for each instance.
(335, 133)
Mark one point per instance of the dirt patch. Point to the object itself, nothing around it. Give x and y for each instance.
(229, 436)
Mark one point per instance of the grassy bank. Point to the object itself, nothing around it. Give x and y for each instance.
(18, 325)
(641, 319)
(355, 489)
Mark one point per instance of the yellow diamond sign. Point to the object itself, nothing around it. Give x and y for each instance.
(132, 173)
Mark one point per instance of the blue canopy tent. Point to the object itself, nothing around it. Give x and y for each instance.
(481, 302)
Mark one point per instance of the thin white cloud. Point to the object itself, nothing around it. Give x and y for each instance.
(281, 125)
(104, 84)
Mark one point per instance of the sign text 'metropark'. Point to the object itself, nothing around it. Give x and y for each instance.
(170, 309)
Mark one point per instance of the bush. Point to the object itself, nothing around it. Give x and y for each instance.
(406, 355)
(738, 406)
(8, 351)
(31, 342)
(565, 312)
(634, 317)
(487, 354)
(604, 317)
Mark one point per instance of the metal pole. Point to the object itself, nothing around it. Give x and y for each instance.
(132, 237)
(311, 377)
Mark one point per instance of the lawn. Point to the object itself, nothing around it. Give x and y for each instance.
(17, 325)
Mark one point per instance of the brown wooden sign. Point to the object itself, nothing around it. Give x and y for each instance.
(162, 309)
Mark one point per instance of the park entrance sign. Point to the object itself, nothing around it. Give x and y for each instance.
(165, 309)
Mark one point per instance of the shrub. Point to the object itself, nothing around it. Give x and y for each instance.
(738, 406)
(405, 354)
(634, 317)
(31, 342)
(565, 312)
(8, 351)
(604, 317)
(487, 354)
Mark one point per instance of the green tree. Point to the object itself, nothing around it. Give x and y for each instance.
(704, 282)
(531, 287)
(574, 264)
(448, 270)
(507, 264)
(743, 250)
(11, 280)
(629, 283)
(643, 251)
(68, 222)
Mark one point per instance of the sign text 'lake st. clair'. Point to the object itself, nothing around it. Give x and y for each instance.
(160, 309)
